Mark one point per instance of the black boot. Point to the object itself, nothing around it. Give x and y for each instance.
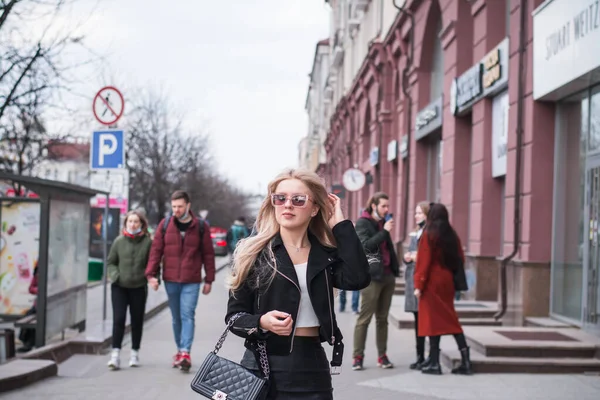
(420, 355)
(433, 368)
(419, 363)
(465, 363)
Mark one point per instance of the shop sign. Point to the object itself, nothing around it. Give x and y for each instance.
(466, 88)
(404, 147)
(429, 119)
(486, 78)
(392, 150)
(566, 47)
(492, 70)
(499, 134)
(374, 156)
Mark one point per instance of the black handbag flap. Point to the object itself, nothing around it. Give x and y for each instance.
(222, 379)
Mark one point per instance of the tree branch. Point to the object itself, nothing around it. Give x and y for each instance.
(13, 90)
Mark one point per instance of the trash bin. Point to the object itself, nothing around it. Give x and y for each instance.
(95, 270)
(7, 344)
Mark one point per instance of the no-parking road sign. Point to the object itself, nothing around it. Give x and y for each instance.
(108, 105)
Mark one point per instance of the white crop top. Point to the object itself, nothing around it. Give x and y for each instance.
(306, 313)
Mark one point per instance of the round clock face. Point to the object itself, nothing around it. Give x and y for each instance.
(353, 179)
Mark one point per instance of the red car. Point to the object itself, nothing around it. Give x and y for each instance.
(218, 236)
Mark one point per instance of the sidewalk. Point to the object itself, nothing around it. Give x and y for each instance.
(86, 376)
(42, 363)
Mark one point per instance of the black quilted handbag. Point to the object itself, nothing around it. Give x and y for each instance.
(221, 379)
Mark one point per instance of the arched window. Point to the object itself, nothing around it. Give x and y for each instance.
(437, 63)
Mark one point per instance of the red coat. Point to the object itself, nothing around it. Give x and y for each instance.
(436, 304)
(182, 258)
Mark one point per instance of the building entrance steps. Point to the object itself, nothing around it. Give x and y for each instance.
(479, 313)
(526, 350)
(546, 322)
(400, 287)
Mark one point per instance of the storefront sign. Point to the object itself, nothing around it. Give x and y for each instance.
(499, 134)
(492, 70)
(374, 156)
(429, 119)
(467, 87)
(392, 150)
(566, 47)
(404, 147)
(487, 77)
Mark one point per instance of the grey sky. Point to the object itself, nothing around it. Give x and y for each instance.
(241, 66)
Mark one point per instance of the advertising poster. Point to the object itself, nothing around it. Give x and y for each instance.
(19, 249)
(114, 228)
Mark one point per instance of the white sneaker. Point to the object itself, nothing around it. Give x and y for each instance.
(115, 362)
(134, 359)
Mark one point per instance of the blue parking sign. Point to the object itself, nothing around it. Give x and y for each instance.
(108, 150)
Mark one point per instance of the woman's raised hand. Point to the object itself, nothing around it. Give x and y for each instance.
(336, 214)
(278, 322)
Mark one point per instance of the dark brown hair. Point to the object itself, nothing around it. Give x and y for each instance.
(442, 237)
(142, 216)
(180, 194)
(375, 199)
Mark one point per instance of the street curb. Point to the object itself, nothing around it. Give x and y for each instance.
(57, 353)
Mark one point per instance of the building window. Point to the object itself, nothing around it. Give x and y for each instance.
(434, 168)
(437, 65)
(572, 127)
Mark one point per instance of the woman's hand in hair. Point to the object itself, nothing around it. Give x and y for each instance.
(336, 215)
(280, 323)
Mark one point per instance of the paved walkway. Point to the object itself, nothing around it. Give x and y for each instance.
(86, 376)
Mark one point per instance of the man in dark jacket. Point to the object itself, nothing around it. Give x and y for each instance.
(374, 231)
(183, 244)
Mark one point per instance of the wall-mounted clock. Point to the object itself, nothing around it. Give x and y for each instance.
(353, 179)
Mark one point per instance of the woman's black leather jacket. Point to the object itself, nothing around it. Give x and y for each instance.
(345, 267)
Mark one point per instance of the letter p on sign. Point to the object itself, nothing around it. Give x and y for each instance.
(108, 146)
(108, 150)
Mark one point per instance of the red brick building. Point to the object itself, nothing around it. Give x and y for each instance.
(437, 112)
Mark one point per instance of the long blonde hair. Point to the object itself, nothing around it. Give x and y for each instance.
(424, 206)
(266, 227)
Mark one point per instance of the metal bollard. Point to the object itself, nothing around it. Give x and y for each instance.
(7, 344)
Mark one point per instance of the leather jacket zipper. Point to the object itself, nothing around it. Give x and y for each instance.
(258, 296)
(330, 310)
(297, 312)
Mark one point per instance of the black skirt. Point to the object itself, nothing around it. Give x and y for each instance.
(304, 374)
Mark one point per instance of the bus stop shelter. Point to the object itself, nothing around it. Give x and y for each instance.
(58, 219)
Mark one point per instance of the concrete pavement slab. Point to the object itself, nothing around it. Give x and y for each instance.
(88, 378)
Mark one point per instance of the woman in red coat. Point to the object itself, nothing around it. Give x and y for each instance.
(439, 256)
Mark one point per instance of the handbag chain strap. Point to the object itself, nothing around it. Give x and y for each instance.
(262, 348)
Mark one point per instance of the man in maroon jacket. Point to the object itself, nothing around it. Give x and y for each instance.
(183, 244)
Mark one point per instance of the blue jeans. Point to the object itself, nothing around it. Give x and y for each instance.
(183, 299)
(355, 298)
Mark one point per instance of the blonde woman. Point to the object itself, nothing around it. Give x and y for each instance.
(411, 303)
(282, 284)
(126, 270)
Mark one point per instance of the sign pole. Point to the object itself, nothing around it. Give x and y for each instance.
(104, 256)
(108, 106)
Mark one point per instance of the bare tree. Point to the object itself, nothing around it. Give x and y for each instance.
(33, 76)
(163, 157)
(159, 152)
